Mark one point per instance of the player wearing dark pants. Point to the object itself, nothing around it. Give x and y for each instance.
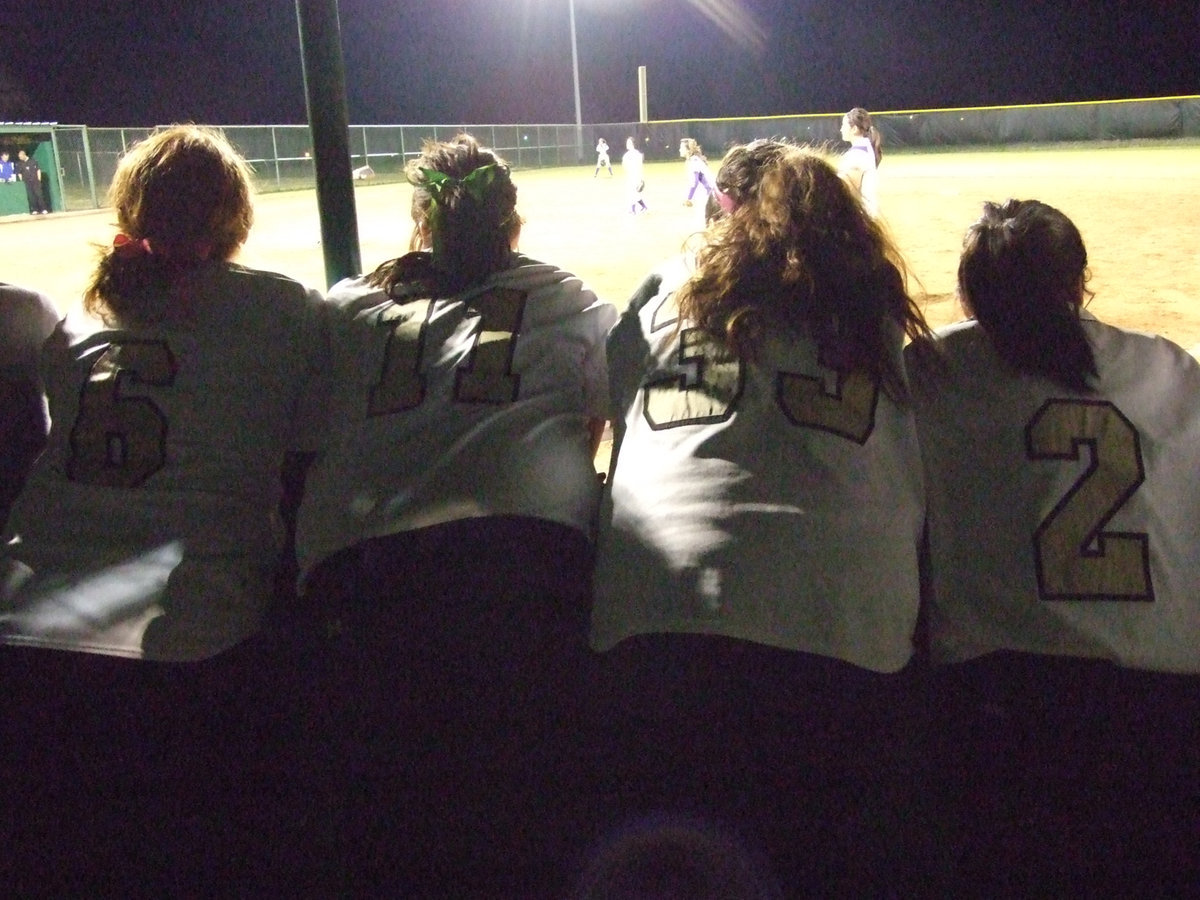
(448, 521)
(146, 735)
(1060, 459)
(31, 174)
(757, 581)
(453, 681)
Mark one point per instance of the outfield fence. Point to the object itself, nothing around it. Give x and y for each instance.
(281, 154)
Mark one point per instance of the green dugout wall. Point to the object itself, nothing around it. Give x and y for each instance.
(38, 140)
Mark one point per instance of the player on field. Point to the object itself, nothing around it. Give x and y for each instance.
(146, 536)
(448, 522)
(633, 165)
(756, 587)
(699, 177)
(859, 165)
(1061, 458)
(602, 158)
(26, 320)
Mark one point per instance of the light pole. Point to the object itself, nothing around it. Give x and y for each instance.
(575, 74)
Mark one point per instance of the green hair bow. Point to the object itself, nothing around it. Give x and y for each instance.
(476, 183)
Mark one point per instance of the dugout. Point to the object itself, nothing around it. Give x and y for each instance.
(38, 140)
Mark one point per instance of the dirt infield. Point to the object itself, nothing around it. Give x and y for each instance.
(1137, 206)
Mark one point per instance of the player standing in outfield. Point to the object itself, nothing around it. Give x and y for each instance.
(26, 320)
(146, 540)
(699, 177)
(756, 587)
(448, 522)
(633, 164)
(859, 165)
(1061, 459)
(602, 160)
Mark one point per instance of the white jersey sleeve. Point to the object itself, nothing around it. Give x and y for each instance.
(26, 319)
(443, 412)
(149, 526)
(1063, 523)
(776, 500)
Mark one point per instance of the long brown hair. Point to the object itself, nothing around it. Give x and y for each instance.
(182, 196)
(1023, 276)
(861, 120)
(465, 200)
(799, 251)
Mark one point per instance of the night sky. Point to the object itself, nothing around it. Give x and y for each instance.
(147, 62)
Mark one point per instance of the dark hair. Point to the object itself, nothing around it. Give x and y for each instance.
(1023, 276)
(674, 857)
(469, 214)
(861, 120)
(183, 195)
(799, 251)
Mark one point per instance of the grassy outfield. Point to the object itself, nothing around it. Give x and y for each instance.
(1138, 206)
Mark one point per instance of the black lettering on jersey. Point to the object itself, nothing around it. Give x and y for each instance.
(401, 385)
(846, 408)
(1076, 558)
(487, 376)
(118, 440)
(666, 313)
(705, 392)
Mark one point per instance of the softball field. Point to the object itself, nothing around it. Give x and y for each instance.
(1138, 207)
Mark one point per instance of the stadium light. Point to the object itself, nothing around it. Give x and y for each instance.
(575, 74)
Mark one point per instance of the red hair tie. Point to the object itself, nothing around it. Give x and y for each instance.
(128, 248)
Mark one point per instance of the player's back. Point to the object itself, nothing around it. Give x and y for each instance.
(453, 408)
(1061, 522)
(772, 500)
(155, 500)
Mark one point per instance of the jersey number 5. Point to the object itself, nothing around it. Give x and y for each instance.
(844, 406)
(1076, 558)
(117, 440)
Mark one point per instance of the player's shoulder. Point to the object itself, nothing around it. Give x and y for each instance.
(27, 318)
(543, 282)
(245, 279)
(351, 295)
(1123, 355)
(661, 283)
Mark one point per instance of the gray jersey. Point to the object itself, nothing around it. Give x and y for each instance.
(473, 405)
(149, 525)
(774, 500)
(1063, 523)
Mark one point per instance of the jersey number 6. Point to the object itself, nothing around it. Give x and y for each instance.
(117, 440)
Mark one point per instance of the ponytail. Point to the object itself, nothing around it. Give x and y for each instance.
(1023, 275)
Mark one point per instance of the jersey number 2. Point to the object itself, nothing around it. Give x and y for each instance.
(1076, 558)
(118, 440)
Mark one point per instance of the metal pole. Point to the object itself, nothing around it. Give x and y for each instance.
(329, 125)
(643, 106)
(575, 73)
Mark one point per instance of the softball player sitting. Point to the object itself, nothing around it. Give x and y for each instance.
(137, 706)
(446, 528)
(756, 585)
(1060, 458)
